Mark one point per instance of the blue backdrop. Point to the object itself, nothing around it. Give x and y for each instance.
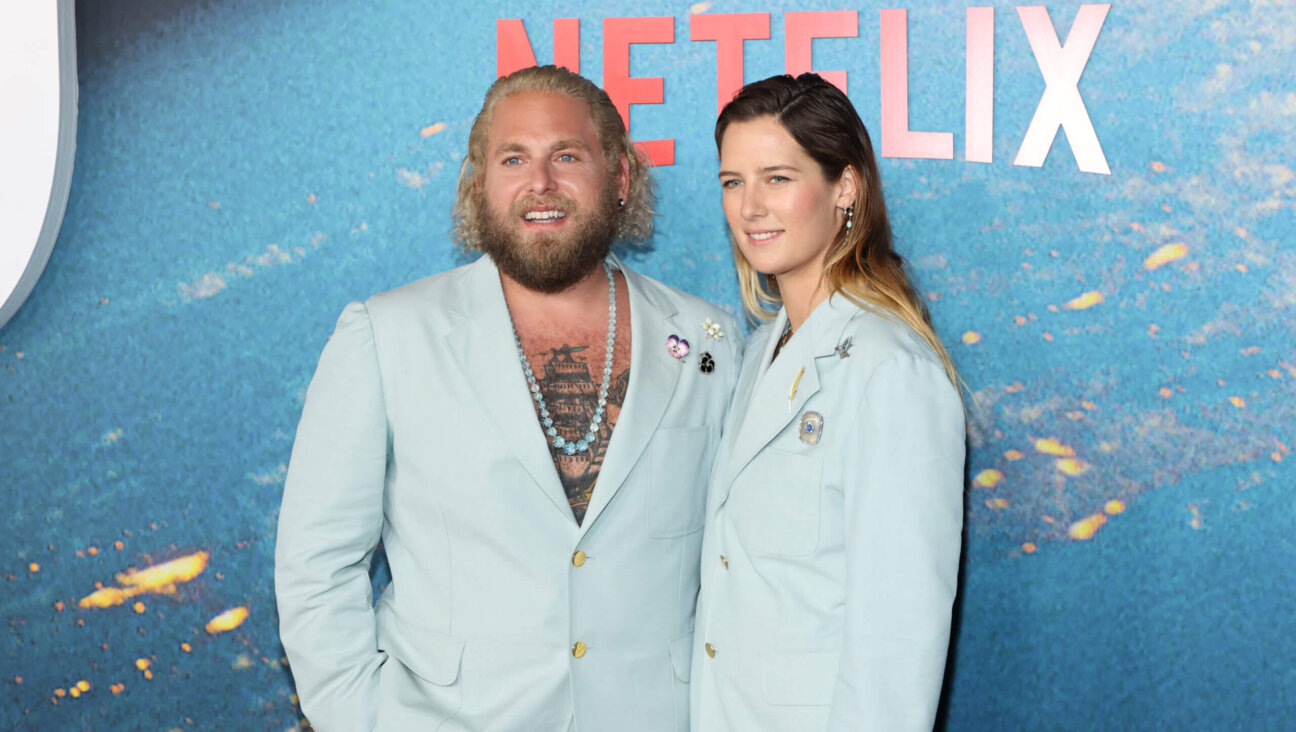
(246, 168)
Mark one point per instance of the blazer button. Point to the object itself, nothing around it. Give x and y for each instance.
(710, 649)
(724, 561)
(578, 650)
(578, 559)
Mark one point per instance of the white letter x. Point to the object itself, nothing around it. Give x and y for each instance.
(1061, 105)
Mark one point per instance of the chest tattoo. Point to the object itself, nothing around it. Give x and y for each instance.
(571, 392)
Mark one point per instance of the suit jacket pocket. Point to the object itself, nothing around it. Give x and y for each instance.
(799, 678)
(681, 653)
(432, 656)
(775, 503)
(681, 463)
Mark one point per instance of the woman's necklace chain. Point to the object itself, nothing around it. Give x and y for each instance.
(571, 447)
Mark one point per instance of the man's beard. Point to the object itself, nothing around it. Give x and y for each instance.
(549, 262)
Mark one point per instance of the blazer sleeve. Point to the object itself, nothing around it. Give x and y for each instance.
(329, 524)
(904, 516)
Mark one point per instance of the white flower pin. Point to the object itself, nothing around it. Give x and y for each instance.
(712, 329)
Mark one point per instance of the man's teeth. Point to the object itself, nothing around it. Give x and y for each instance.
(763, 235)
(544, 215)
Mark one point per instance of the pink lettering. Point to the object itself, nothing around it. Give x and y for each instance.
(729, 30)
(801, 28)
(618, 35)
(513, 47)
(898, 141)
(1061, 105)
(979, 112)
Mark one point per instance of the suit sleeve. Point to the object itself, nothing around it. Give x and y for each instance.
(904, 516)
(329, 524)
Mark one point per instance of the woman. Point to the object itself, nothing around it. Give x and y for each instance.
(830, 558)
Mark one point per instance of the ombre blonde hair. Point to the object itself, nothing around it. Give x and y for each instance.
(861, 263)
(634, 220)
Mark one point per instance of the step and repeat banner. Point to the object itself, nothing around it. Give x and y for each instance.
(1096, 201)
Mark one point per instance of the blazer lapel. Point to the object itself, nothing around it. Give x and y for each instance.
(781, 391)
(482, 347)
(773, 404)
(653, 375)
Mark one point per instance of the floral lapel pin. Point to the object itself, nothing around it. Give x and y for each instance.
(711, 330)
(677, 347)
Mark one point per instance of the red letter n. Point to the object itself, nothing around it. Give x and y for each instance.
(513, 50)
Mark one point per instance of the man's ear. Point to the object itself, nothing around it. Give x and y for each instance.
(623, 178)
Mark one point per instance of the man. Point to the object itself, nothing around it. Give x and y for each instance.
(529, 436)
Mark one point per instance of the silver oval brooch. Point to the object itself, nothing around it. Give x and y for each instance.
(811, 428)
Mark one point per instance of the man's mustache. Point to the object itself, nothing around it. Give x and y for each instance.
(553, 203)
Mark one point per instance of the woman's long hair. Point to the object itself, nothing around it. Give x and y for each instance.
(860, 263)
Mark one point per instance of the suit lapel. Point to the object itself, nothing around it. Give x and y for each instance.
(482, 347)
(782, 390)
(653, 376)
(773, 404)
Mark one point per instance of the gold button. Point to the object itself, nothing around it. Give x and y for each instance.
(724, 561)
(578, 559)
(578, 650)
(710, 649)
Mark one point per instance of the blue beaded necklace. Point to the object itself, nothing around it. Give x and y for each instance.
(571, 447)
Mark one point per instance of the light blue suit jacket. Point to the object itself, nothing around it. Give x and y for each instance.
(419, 432)
(829, 568)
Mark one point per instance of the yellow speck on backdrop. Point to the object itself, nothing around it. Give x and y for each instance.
(158, 579)
(1165, 255)
(1072, 466)
(1086, 527)
(1050, 446)
(228, 620)
(1087, 300)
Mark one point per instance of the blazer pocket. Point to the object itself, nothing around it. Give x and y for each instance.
(681, 653)
(680, 465)
(775, 503)
(799, 678)
(431, 656)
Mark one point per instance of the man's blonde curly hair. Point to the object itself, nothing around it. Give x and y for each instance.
(634, 221)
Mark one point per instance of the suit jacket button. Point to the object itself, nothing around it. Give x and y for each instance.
(710, 649)
(578, 559)
(578, 650)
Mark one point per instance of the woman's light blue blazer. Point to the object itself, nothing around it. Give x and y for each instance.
(833, 526)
